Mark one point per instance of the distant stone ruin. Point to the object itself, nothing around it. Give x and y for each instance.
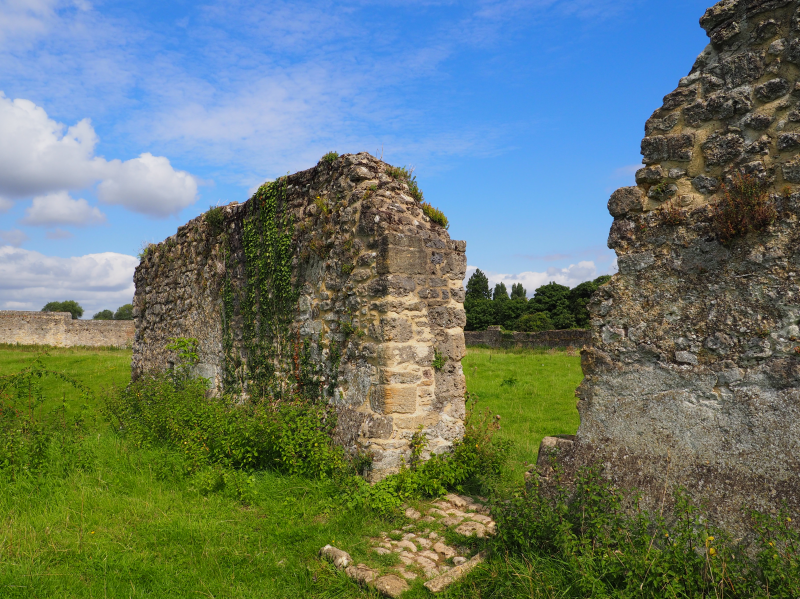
(330, 282)
(59, 329)
(693, 378)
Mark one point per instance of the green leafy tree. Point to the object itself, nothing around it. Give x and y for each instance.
(104, 315)
(518, 292)
(70, 306)
(478, 286)
(481, 313)
(538, 321)
(508, 312)
(124, 312)
(500, 292)
(580, 296)
(549, 298)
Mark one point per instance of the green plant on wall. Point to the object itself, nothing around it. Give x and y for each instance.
(266, 301)
(439, 359)
(435, 215)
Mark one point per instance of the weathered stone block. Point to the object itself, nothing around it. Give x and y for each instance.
(625, 200)
(393, 399)
(394, 260)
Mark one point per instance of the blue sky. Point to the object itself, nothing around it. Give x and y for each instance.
(122, 120)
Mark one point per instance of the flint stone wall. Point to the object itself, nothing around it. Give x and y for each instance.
(494, 337)
(694, 374)
(374, 261)
(58, 329)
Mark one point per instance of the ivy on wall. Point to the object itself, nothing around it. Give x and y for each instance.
(266, 301)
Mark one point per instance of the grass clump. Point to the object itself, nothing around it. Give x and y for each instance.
(330, 157)
(407, 176)
(435, 215)
(215, 219)
(744, 207)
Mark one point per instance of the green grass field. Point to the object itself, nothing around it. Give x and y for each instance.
(133, 525)
(532, 391)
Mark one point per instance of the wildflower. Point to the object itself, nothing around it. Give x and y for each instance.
(712, 551)
(710, 539)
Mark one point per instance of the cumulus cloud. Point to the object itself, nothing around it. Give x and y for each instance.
(570, 276)
(148, 184)
(15, 237)
(40, 156)
(5, 205)
(28, 279)
(60, 209)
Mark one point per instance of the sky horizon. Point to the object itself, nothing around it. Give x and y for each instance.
(121, 121)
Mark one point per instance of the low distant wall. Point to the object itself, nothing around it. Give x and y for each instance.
(494, 337)
(60, 330)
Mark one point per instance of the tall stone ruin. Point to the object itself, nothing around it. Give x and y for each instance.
(332, 277)
(693, 376)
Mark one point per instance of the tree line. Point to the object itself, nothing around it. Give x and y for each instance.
(124, 312)
(552, 306)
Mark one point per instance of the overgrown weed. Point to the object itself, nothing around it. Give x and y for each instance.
(743, 208)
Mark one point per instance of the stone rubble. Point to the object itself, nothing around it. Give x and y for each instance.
(422, 552)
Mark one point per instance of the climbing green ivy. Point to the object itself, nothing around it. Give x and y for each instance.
(265, 303)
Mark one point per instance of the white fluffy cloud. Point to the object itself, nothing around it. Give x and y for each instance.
(28, 280)
(15, 237)
(60, 209)
(40, 156)
(571, 276)
(148, 184)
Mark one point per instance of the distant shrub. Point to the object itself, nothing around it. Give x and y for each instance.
(744, 207)
(104, 315)
(124, 312)
(435, 215)
(70, 306)
(215, 219)
(330, 157)
(538, 321)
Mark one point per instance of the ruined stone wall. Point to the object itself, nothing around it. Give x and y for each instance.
(379, 291)
(694, 374)
(494, 337)
(58, 329)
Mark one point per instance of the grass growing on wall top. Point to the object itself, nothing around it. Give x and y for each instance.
(533, 391)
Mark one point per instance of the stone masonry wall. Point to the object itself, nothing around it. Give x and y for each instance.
(58, 329)
(694, 374)
(494, 337)
(380, 290)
